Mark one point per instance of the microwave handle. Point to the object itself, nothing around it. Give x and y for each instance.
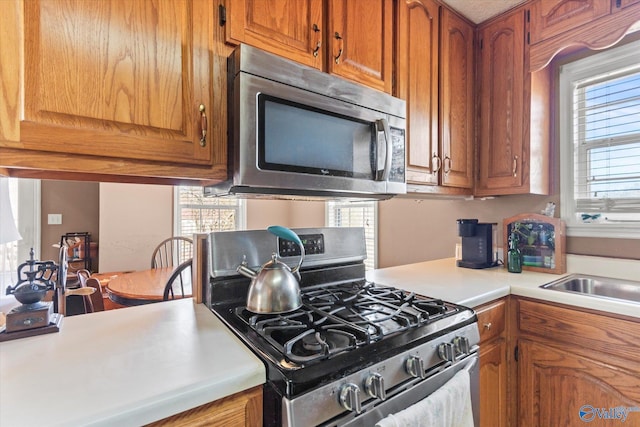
(383, 124)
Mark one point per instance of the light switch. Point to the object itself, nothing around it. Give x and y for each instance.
(55, 219)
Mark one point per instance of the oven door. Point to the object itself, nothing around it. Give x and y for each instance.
(416, 393)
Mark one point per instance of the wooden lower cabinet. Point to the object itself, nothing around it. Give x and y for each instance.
(240, 409)
(576, 366)
(493, 383)
(493, 364)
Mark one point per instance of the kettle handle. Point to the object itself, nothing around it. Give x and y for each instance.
(287, 234)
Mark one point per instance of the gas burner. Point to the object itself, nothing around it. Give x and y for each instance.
(340, 317)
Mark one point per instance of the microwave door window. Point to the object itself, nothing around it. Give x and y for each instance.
(297, 138)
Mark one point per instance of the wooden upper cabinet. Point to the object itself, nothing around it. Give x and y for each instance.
(114, 78)
(501, 148)
(621, 5)
(353, 41)
(293, 29)
(418, 42)
(457, 101)
(552, 17)
(361, 41)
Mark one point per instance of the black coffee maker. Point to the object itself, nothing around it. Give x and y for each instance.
(477, 243)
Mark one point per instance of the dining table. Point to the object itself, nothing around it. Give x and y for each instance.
(141, 287)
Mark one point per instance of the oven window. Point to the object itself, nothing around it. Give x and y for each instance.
(297, 138)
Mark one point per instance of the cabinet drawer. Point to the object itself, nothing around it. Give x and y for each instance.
(491, 319)
(575, 327)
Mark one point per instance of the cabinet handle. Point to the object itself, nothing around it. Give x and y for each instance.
(515, 165)
(317, 49)
(487, 326)
(203, 126)
(447, 165)
(438, 163)
(339, 37)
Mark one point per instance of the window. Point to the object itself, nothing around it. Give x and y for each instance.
(357, 214)
(196, 213)
(25, 203)
(600, 143)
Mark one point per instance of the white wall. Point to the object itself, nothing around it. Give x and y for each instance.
(287, 213)
(134, 218)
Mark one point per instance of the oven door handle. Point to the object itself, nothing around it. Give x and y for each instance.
(472, 363)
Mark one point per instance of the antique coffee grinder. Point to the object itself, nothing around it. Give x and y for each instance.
(478, 240)
(35, 278)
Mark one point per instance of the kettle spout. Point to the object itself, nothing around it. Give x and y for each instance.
(246, 271)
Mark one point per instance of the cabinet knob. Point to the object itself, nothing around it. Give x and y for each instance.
(487, 326)
(203, 126)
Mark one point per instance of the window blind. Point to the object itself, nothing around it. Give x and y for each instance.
(356, 214)
(199, 214)
(606, 136)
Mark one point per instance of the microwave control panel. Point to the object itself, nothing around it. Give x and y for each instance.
(313, 245)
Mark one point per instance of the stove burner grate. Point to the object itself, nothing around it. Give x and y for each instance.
(340, 317)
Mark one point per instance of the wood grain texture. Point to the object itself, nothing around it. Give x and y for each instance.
(366, 41)
(552, 17)
(594, 34)
(289, 28)
(570, 357)
(240, 409)
(501, 92)
(457, 101)
(556, 383)
(494, 372)
(593, 332)
(116, 78)
(11, 55)
(418, 53)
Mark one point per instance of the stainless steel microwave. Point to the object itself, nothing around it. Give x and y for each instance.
(295, 131)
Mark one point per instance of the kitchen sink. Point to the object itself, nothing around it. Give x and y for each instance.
(604, 287)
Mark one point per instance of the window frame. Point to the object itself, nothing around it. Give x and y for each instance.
(617, 58)
(177, 209)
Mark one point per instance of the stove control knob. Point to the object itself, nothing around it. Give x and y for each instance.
(446, 352)
(415, 367)
(461, 345)
(350, 398)
(374, 384)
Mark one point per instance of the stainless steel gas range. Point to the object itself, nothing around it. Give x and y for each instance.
(355, 351)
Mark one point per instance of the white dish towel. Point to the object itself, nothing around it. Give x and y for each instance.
(449, 406)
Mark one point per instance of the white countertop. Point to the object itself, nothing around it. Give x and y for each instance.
(442, 279)
(123, 367)
(136, 365)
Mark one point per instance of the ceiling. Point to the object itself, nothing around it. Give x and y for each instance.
(480, 10)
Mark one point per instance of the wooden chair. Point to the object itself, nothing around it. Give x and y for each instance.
(93, 302)
(179, 280)
(172, 251)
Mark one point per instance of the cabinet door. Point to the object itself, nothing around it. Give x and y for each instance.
(457, 101)
(418, 86)
(289, 28)
(502, 105)
(493, 383)
(117, 78)
(361, 41)
(564, 388)
(552, 17)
